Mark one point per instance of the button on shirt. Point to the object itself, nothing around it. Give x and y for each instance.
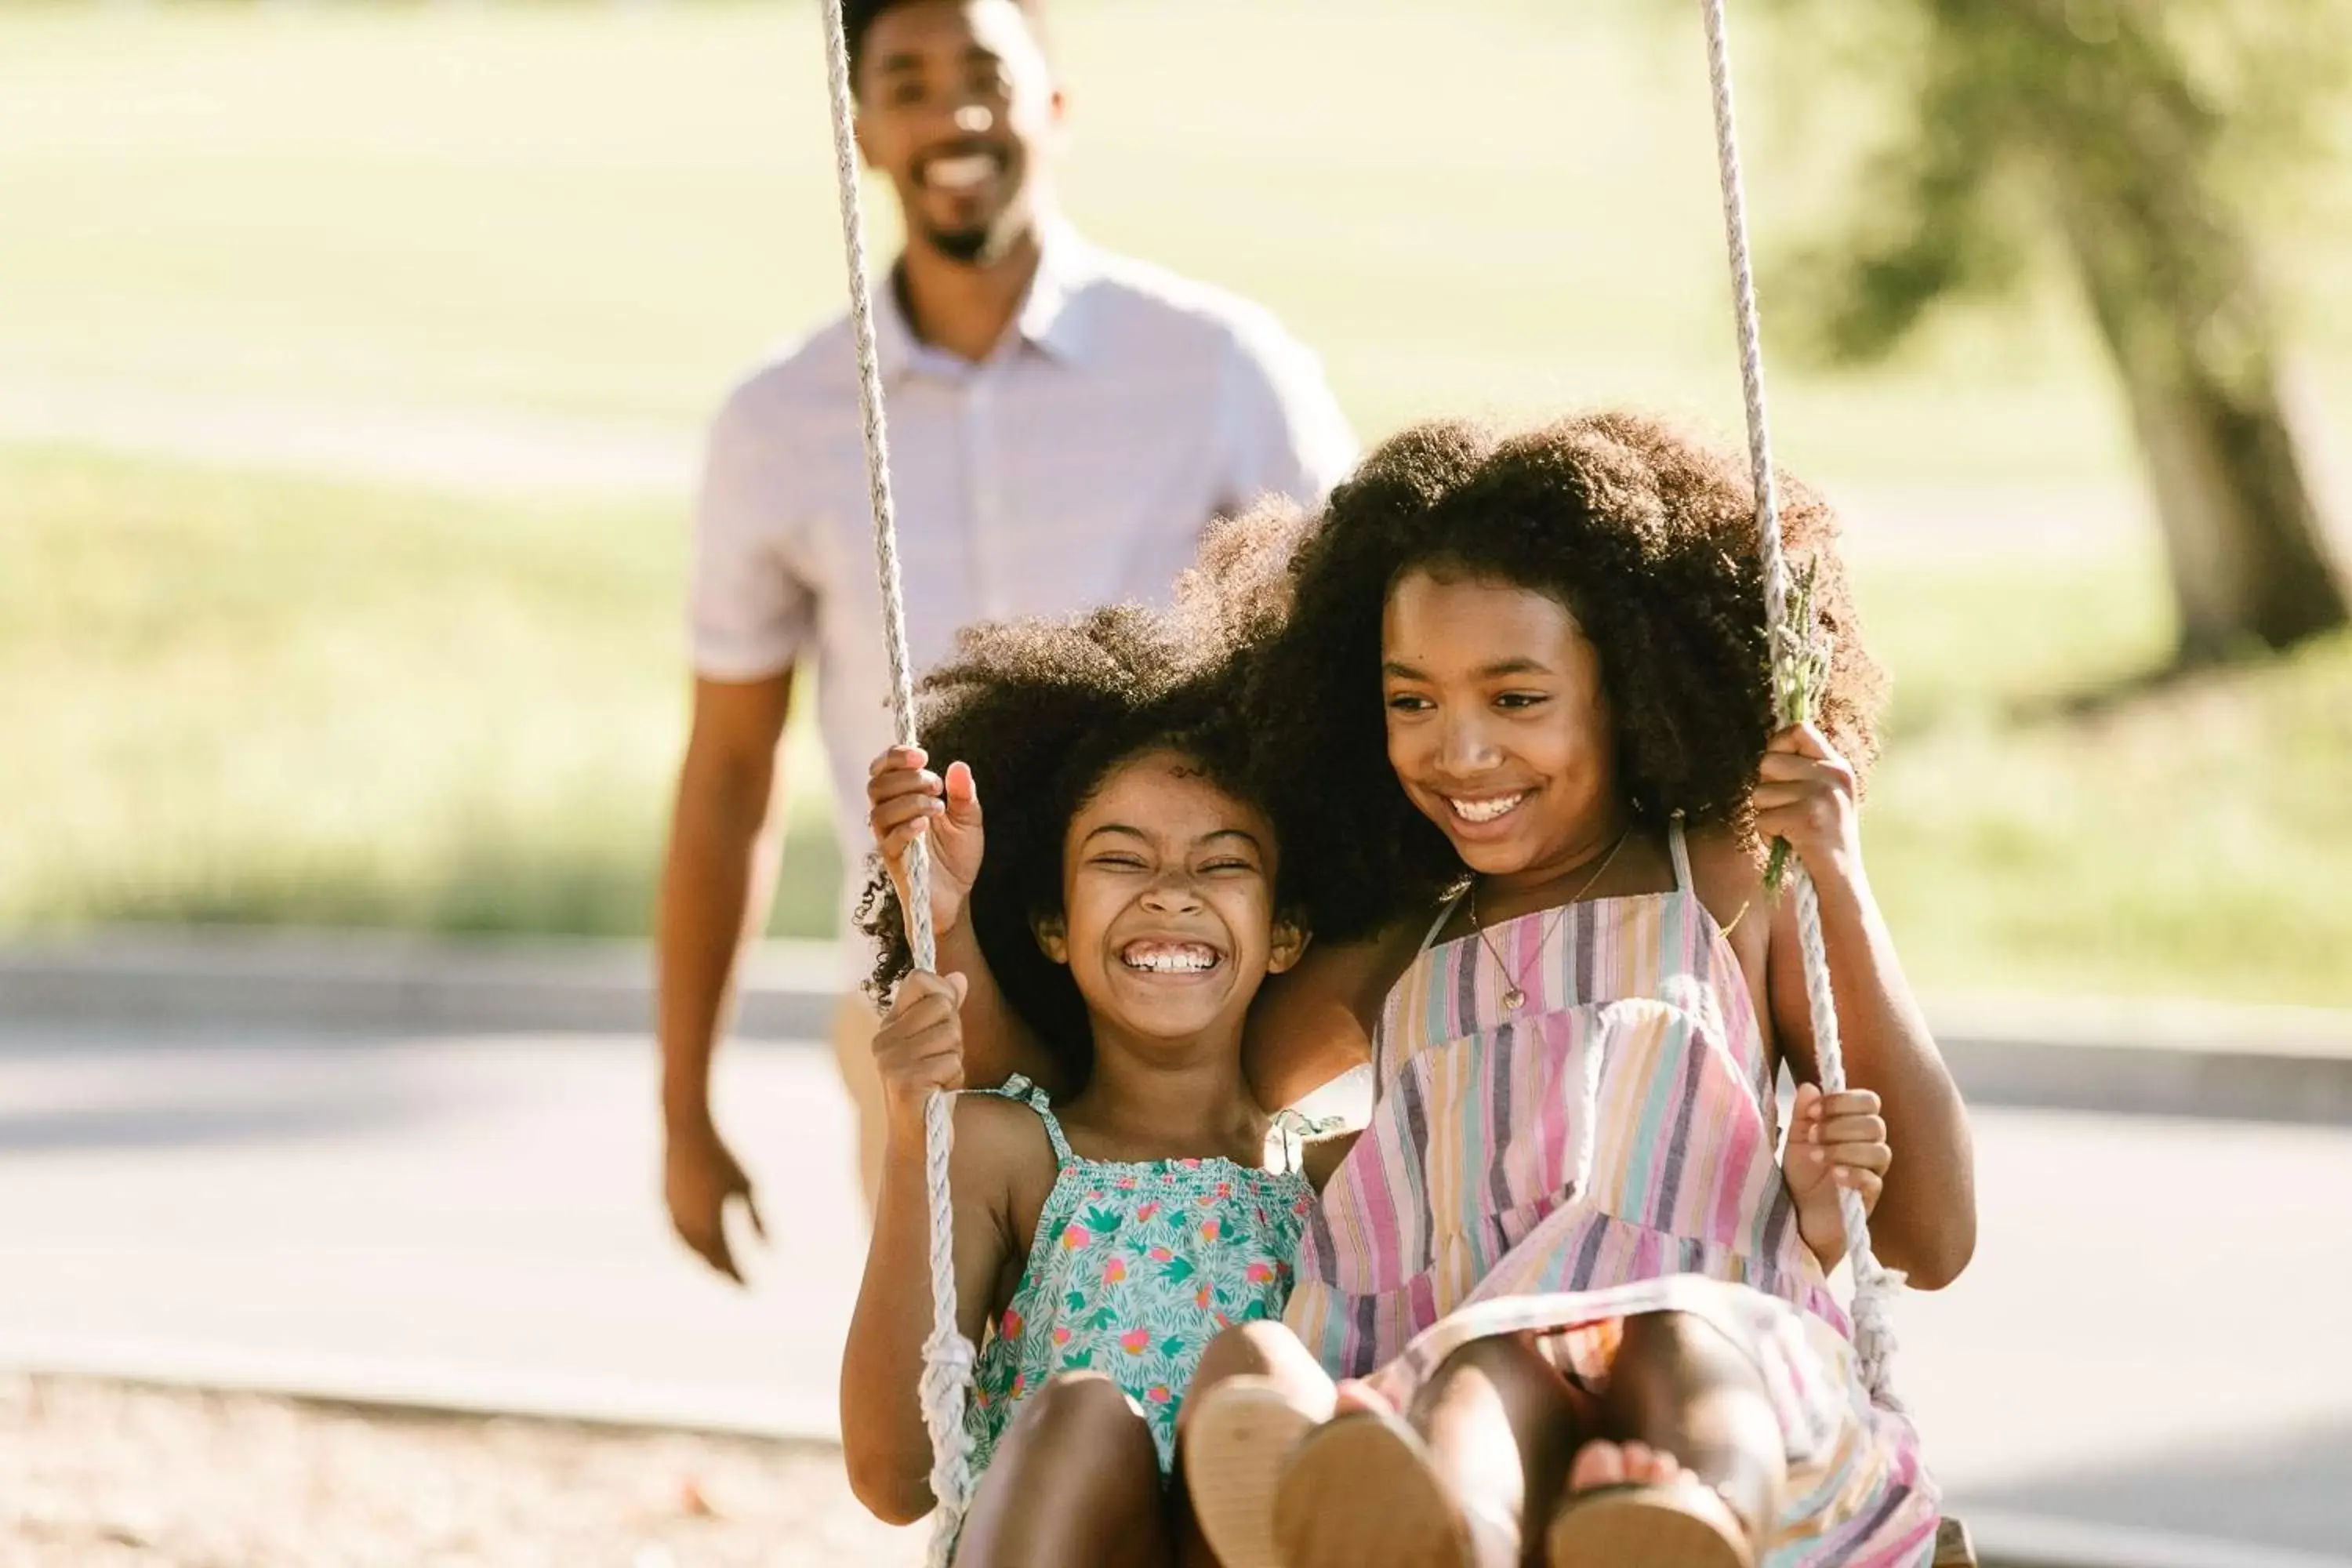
(1075, 467)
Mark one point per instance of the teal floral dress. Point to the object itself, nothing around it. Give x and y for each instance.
(1134, 1269)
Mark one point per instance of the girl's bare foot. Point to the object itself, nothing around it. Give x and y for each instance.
(1601, 1463)
(1628, 1502)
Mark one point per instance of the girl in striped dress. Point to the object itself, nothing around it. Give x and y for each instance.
(1575, 1294)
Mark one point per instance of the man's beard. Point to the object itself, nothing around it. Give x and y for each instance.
(978, 246)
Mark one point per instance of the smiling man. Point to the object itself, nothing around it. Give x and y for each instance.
(1062, 424)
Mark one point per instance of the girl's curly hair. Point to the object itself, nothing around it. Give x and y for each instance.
(1042, 712)
(1647, 536)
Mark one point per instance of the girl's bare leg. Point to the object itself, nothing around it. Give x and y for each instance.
(1257, 1392)
(1682, 1401)
(1075, 1484)
(1502, 1426)
(1448, 1483)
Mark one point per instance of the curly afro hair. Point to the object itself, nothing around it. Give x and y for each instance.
(1043, 712)
(1649, 539)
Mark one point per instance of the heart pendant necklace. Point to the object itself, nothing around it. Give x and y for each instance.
(1515, 996)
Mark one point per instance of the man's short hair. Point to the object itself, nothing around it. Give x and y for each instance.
(858, 17)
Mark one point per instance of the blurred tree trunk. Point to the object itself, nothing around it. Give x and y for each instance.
(2169, 275)
(2247, 543)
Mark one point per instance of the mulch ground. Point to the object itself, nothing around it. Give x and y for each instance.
(98, 1475)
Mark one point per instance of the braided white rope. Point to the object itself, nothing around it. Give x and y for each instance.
(1874, 1285)
(948, 1356)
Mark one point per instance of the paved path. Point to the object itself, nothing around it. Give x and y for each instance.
(455, 1217)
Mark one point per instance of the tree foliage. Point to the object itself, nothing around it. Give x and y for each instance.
(1995, 110)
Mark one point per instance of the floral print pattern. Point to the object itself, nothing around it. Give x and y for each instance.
(1134, 1269)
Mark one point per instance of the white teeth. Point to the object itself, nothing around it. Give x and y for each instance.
(961, 172)
(1155, 958)
(1484, 810)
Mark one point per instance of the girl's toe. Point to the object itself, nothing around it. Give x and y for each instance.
(1600, 1463)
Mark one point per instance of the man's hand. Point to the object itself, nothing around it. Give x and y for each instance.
(919, 1048)
(905, 801)
(1835, 1141)
(698, 1175)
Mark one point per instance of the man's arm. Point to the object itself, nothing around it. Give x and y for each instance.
(715, 884)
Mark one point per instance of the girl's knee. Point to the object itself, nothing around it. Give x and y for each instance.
(1504, 1360)
(1085, 1412)
(1262, 1350)
(1259, 1349)
(1078, 1468)
(1494, 1351)
(1683, 1343)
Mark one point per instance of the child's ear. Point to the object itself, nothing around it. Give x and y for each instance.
(1290, 940)
(1053, 937)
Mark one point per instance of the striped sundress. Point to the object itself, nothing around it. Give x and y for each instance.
(1606, 1149)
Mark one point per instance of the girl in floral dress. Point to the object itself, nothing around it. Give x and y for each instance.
(1135, 896)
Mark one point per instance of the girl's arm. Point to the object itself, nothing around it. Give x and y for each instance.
(883, 1437)
(1316, 1022)
(906, 801)
(1926, 1223)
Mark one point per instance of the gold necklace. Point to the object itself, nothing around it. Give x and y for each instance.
(1514, 998)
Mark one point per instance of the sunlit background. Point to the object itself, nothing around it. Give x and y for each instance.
(353, 360)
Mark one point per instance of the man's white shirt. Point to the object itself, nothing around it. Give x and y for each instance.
(1075, 467)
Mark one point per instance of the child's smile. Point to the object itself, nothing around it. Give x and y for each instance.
(1168, 922)
(1169, 956)
(1498, 724)
(1479, 811)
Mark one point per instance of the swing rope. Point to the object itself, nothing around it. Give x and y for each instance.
(948, 1356)
(1793, 693)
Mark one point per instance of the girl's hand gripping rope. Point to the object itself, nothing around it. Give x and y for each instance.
(1804, 797)
(919, 1049)
(1835, 1141)
(906, 801)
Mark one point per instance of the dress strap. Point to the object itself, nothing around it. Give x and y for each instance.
(1292, 1129)
(1018, 1087)
(1443, 915)
(1681, 852)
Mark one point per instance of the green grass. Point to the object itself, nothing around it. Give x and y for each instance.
(238, 699)
(584, 210)
(2195, 842)
(2190, 839)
